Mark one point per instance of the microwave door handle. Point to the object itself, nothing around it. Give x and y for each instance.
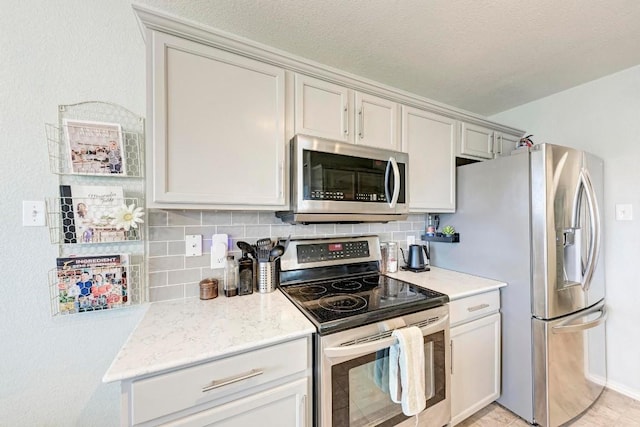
(392, 164)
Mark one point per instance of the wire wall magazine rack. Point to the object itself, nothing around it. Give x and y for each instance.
(98, 218)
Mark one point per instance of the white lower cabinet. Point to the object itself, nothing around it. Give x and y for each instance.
(475, 354)
(283, 406)
(267, 386)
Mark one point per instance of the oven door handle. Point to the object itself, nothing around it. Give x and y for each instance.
(378, 344)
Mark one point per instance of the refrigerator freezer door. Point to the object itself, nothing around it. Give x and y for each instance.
(566, 201)
(569, 365)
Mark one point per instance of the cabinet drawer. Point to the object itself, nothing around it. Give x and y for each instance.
(475, 306)
(164, 394)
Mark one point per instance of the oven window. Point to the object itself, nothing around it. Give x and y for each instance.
(360, 387)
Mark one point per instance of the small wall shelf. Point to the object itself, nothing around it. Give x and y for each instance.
(439, 237)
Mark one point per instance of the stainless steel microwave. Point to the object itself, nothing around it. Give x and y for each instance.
(345, 183)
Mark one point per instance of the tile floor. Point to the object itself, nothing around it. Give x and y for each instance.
(612, 409)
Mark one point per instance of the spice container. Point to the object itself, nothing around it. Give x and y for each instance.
(230, 285)
(208, 288)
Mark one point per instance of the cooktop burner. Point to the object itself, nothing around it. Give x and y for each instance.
(335, 305)
(346, 285)
(342, 303)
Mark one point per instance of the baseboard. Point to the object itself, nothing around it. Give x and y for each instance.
(623, 389)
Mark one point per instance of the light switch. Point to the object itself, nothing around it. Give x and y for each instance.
(624, 212)
(193, 245)
(33, 214)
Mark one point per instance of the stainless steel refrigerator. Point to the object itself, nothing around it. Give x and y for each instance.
(533, 220)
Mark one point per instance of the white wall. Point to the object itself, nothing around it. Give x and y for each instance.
(603, 117)
(55, 52)
(68, 51)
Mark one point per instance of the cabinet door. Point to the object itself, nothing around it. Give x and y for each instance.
(217, 127)
(505, 144)
(430, 141)
(323, 109)
(287, 405)
(377, 122)
(475, 366)
(476, 141)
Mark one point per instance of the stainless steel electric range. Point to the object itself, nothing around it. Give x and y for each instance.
(336, 284)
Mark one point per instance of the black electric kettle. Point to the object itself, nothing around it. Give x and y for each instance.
(416, 259)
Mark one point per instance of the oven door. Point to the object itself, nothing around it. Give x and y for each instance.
(353, 386)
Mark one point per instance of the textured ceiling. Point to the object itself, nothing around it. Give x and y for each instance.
(484, 56)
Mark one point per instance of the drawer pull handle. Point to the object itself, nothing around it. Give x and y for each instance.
(226, 381)
(477, 307)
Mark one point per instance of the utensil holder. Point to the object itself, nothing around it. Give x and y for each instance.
(268, 277)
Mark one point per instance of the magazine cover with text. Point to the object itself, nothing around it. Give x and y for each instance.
(90, 283)
(88, 212)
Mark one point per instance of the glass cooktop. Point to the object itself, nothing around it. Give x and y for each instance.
(343, 303)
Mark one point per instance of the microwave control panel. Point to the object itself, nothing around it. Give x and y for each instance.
(339, 195)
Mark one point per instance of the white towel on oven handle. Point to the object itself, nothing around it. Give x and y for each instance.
(406, 370)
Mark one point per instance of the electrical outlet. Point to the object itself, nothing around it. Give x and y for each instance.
(33, 214)
(411, 240)
(193, 245)
(219, 246)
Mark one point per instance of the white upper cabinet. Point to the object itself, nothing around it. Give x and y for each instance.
(476, 141)
(505, 143)
(218, 135)
(430, 139)
(323, 109)
(335, 112)
(377, 122)
(222, 108)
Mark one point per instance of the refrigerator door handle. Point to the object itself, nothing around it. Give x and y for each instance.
(566, 328)
(594, 247)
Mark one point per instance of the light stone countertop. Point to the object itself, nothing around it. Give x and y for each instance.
(175, 334)
(456, 285)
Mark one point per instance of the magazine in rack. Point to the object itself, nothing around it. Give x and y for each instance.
(88, 212)
(95, 148)
(90, 283)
